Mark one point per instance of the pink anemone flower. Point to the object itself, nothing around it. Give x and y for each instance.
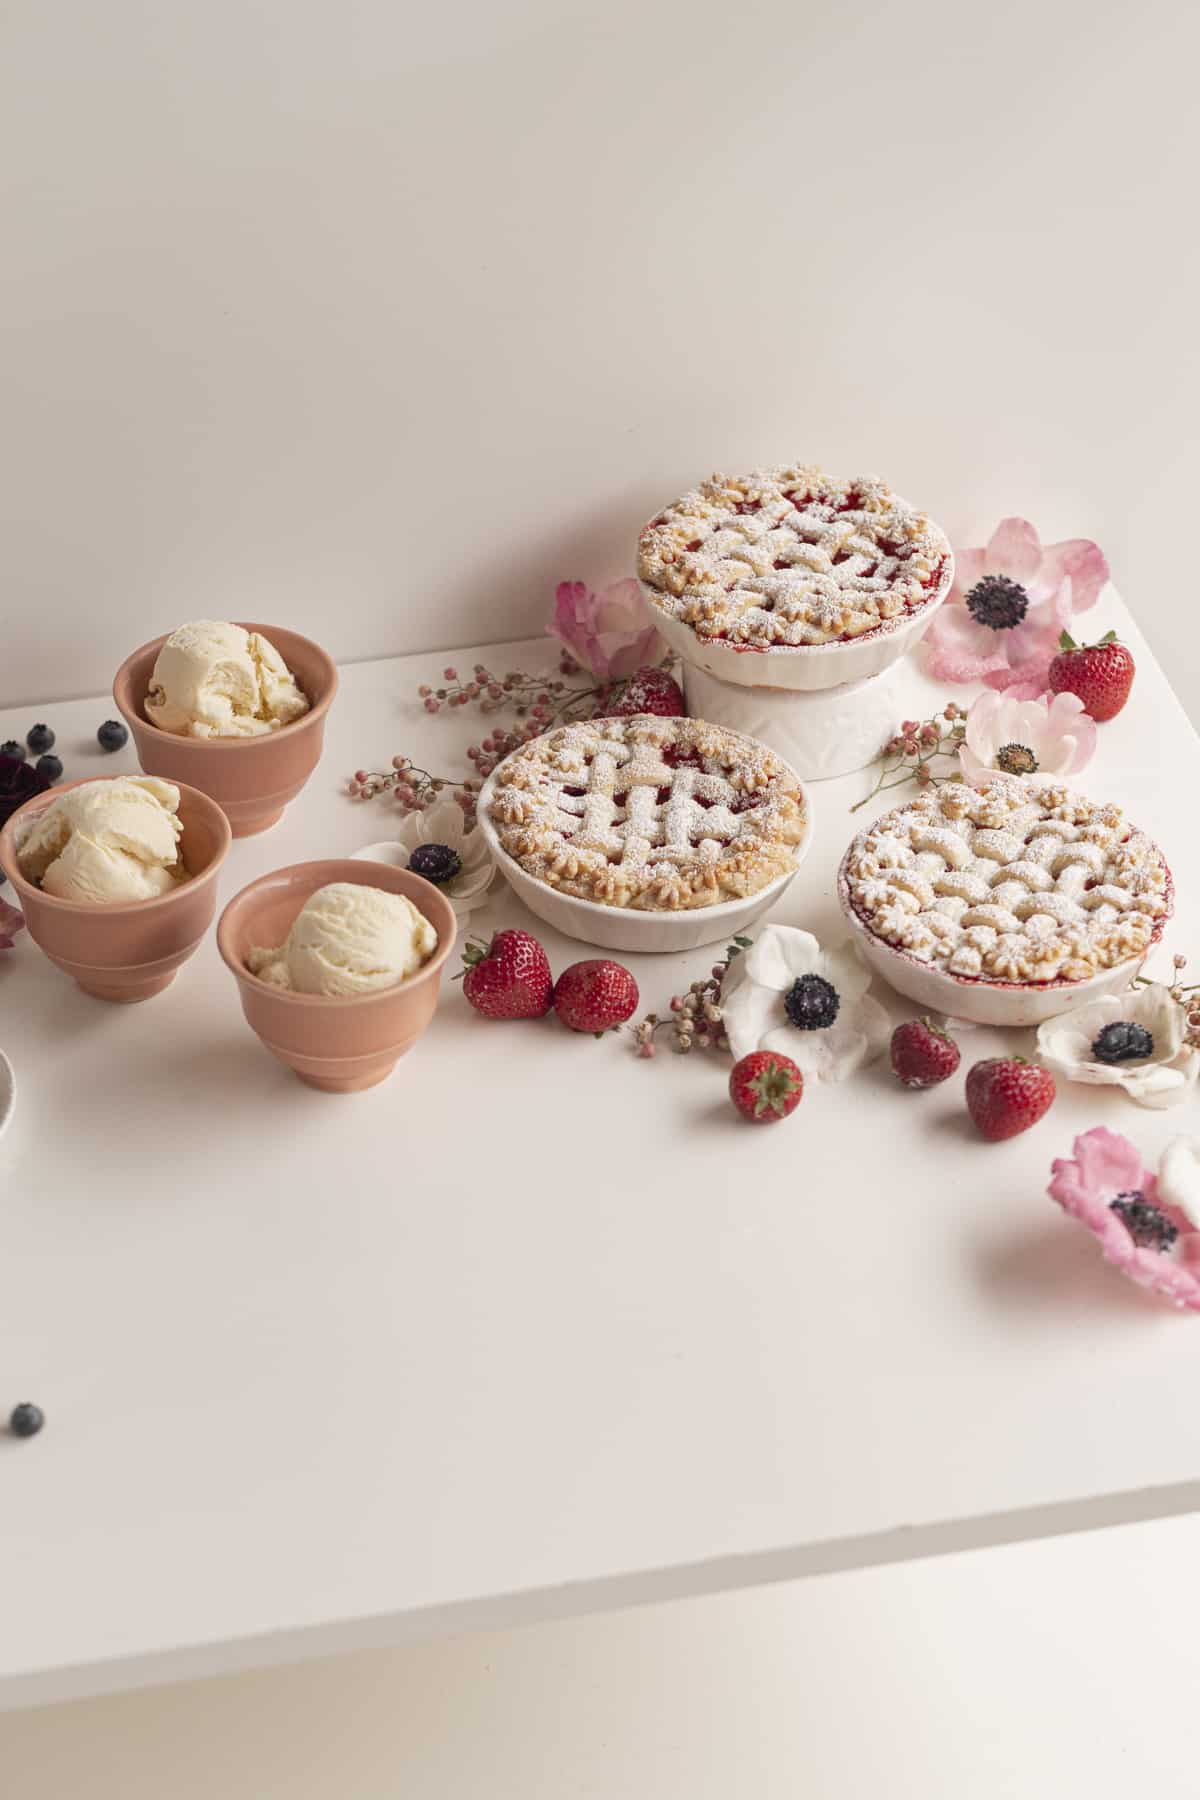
(1010, 603)
(1148, 1225)
(610, 633)
(1026, 738)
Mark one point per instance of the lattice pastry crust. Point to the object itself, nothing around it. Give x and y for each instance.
(1010, 883)
(656, 814)
(790, 556)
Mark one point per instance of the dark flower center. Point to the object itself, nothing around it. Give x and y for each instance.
(998, 602)
(436, 862)
(1016, 759)
(1147, 1224)
(811, 1003)
(1122, 1041)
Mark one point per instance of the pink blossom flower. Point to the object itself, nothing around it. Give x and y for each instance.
(1148, 1225)
(1026, 737)
(11, 921)
(610, 633)
(1010, 603)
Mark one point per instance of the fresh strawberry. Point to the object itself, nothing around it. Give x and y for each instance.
(1006, 1095)
(923, 1054)
(509, 978)
(1101, 674)
(595, 996)
(647, 691)
(765, 1086)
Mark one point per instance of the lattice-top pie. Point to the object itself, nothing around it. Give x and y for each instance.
(651, 813)
(788, 557)
(1009, 883)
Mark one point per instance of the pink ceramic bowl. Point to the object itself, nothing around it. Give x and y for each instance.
(251, 779)
(126, 950)
(339, 1045)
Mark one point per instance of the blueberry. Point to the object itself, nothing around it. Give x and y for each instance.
(112, 735)
(40, 738)
(436, 862)
(50, 766)
(26, 1420)
(12, 748)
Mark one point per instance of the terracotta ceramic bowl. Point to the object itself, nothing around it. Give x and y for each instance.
(339, 1045)
(126, 950)
(251, 779)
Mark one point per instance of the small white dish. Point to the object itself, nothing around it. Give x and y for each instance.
(624, 927)
(8, 1092)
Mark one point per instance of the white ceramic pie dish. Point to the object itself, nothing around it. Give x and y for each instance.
(973, 997)
(624, 927)
(803, 667)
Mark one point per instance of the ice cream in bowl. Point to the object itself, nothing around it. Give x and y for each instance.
(117, 879)
(236, 710)
(338, 965)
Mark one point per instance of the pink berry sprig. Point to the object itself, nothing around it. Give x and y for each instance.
(540, 696)
(912, 752)
(694, 1020)
(546, 699)
(1186, 995)
(412, 787)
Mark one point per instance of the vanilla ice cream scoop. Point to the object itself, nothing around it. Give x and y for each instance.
(213, 679)
(347, 940)
(105, 841)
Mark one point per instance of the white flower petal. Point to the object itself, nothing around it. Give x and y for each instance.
(840, 966)
(778, 955)
(875, 1025)
(469, 882)
(474, 851)
(1162, 1079)
(1179, 1176)
(748, 1013)
(804, 1047)
(442, 823)
(409, 832)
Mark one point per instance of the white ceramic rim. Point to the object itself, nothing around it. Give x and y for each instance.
(958, 988)
(8, 1092)
(802, 665)
(725, 911)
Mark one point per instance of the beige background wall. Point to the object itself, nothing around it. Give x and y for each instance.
(378, 319)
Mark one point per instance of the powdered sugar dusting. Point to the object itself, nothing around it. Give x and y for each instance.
(1010, 882)
(652, 813)
(791, 556)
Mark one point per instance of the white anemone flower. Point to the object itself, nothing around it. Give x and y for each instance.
(784, 977)
(1135, 1041)
(442, 823)
(1048, 737)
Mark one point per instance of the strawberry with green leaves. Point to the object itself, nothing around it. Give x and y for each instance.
(1101, 674)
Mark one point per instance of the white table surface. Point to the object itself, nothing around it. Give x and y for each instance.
(534, 1328)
